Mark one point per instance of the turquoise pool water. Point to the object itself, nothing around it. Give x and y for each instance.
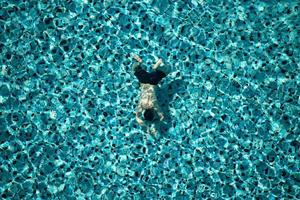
(68, 98)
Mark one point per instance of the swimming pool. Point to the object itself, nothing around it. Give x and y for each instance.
(68, 98)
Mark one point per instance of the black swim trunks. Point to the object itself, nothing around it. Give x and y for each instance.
(145, 77)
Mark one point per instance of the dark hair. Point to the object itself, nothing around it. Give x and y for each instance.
(149, 114)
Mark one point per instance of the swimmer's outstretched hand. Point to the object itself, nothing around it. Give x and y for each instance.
(137, 58)
(140, 121)
(152, 130)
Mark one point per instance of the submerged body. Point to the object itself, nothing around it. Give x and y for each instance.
(148, 101)
(148, 110)
(148, 96)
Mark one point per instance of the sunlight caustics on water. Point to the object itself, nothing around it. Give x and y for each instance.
(68, 98)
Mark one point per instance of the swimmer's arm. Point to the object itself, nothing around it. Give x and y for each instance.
(138, 116)
(161, 115)
(158, 110)
(152, 130)
(139, 120)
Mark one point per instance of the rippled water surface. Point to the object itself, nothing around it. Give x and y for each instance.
(68, 98)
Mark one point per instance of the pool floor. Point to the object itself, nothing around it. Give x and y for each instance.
(68, 98)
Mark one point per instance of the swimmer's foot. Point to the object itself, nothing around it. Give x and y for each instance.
(137, 64)
(137, 58)
(157, 64)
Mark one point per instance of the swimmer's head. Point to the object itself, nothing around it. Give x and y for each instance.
(149, 114)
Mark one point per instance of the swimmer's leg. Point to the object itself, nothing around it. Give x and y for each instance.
(160, 66)
(137, 64)
(137, 58)
(157, 64)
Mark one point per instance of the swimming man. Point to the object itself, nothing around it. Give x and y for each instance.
(148, 110)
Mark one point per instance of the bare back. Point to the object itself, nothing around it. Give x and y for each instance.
(148, 97)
